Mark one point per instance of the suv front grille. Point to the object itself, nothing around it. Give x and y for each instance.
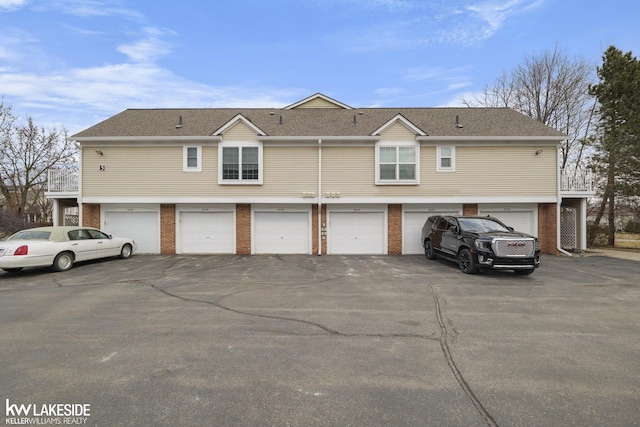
(514, 247)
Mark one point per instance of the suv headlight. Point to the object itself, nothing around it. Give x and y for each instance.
(483, 245)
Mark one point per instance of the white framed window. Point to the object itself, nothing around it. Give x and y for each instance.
(192, 158)
(240, 163)
(446, 158)
(397, 163)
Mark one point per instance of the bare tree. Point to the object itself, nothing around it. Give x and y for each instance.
(553, 89)
(27, 152)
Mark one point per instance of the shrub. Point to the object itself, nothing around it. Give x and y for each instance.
(11, 223)
(632, 227)
(597, 235)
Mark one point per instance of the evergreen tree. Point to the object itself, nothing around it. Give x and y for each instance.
(618, 147)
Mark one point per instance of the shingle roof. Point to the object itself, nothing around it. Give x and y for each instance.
(476, 122)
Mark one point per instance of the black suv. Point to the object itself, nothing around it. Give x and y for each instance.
(480, 242)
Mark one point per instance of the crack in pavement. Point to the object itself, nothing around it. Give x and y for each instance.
(444, 344)
(284, 318)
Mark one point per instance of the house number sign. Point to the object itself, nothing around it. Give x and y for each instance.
(102, 168)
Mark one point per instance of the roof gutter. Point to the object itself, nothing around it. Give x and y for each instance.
(315, 139)
(463, 138)
(103, 139)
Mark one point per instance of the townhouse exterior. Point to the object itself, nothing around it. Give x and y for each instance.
(317, 177)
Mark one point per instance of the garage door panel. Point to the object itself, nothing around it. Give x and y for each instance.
(281, 233)
(207, 232)
(354, 233)
(520, 220)
(143, 227)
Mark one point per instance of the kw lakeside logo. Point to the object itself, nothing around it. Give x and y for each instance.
(47, 413)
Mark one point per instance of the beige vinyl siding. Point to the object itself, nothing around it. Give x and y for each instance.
(491, 171)
(511, 171)
(348, 170)
(397, 132)
(239, 132)
(157, 171)
(318, 103)
(289, 171)
(500, 171)
(146, 171)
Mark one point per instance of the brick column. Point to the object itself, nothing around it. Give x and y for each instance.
(394, 228)
(470, 209)
(243, 229)
(90, 215)
(547, 228)
(168, 229)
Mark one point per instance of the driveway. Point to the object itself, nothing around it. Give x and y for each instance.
(321, 341)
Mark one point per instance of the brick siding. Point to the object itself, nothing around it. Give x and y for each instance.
(394, 228)
(547, 224)
(90, 215)
(243, 229)
(470, 209)
(168, 229)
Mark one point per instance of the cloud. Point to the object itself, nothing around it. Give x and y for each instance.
(413, 24)
(91, 94)
(90, 8)
(11, 5)
(148, 48)
(450, 78)
(494, 13)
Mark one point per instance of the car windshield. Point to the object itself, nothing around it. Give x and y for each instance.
(481, 225)
(31, 235)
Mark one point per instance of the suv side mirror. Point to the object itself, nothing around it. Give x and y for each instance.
(454, 229)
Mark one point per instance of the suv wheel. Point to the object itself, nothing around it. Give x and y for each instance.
(428, 250)
(466, 262)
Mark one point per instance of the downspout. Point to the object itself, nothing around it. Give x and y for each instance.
(79, 198)
(559, 207)
(319, 196)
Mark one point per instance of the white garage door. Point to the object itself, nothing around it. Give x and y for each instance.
(281, 233)
(143, 227)
(523, 221)
(207, 233)
(412, 223)
(356, 233)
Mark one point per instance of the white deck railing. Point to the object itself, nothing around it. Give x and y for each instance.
(63, 181)
(580, 180)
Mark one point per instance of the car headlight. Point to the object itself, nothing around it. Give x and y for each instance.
(483, 245)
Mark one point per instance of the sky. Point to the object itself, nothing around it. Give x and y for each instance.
(73, 63)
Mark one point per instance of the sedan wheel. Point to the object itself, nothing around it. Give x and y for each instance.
(125, 252)
(466, 262)
(63, 262)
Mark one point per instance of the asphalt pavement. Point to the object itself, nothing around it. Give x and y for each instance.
(321, 341)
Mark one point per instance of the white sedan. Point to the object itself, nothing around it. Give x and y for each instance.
(60, 247)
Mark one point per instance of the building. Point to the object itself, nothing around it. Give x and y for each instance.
(317, 177)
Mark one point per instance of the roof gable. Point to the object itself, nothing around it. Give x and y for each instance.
(318, 101)
(399, 118)
(239, 118)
